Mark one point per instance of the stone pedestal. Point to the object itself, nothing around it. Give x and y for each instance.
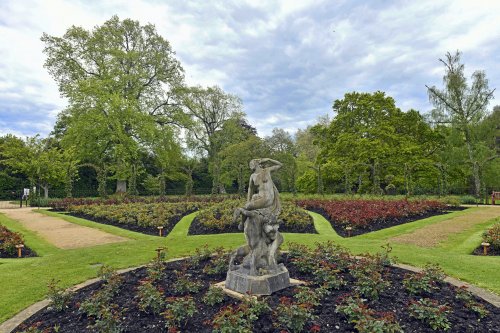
(241, 282)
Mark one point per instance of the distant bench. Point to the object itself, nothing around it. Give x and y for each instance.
(494, 195)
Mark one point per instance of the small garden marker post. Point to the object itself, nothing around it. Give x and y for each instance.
(19, 248)
(160, 230)
(485, 248)
(158, 252)
(348, 229)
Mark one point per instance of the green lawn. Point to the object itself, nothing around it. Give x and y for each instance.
(23, 281)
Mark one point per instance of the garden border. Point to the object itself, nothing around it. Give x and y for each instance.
(9, 325)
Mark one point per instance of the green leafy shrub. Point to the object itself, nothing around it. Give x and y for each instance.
(238, 318)
(185, 283)
(213, 296)
(150, 298)
(492, 236)
(466, 297)
(431, 312)
(59, 297)
(219, 217)
(293, 316)
(179, 310)
(368, 272)
(424, 281)
(467, 200)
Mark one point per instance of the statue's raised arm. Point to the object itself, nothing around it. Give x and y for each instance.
(275, 165)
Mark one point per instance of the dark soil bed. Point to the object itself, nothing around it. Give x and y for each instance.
(491, 252)
(167, 226)
(197, 228)
(378, 224)
(394, 299)
(27, 252)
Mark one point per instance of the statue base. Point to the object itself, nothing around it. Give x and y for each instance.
(241, 282)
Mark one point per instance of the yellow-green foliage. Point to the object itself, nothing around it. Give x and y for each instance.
(144, 215)
(220, 216)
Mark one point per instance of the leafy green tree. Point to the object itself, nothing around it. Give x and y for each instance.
(210, 109)
(373, 139)
(43, 165)
(309, 166)
(463, 106)
(236, 158)
(121, 81)
(282, 148)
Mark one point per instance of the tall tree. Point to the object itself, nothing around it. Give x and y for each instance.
(44, 165)
(463, 105)
(282, 148)
(371, 138)
(120, 80)
(210, 109)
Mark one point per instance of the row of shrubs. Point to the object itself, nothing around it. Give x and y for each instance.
(147, 215)
(360, 213)
(67, 203)
(218, 218)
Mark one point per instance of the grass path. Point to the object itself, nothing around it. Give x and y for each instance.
(432, 235)
(24, 281)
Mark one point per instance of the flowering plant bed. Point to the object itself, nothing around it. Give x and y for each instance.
(218, 218)
(492, 237)
(66, 203)
(8, 242)
(140, 217)
(343, 294)
(370, 215)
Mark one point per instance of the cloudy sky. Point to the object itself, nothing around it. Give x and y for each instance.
(287, 60)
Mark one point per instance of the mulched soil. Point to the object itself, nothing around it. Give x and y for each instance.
(394, 299)
(198, 228)
(167, 226)
(491, 252)
(27, 252)
(378, 224)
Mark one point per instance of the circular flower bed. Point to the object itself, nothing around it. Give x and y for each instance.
(342, 294)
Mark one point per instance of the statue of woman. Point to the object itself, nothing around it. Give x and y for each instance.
(262, 193)
(259, 219)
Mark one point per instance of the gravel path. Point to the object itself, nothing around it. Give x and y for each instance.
(432, 235)
(60, 233)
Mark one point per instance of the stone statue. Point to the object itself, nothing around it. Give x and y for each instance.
(259, 272)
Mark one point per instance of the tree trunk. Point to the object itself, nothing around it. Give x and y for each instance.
(121, 186)
(45, 190)
(68, 187)
(132, 188)
(163, 184)
(101, 182)
(475, 167)
(241, 184)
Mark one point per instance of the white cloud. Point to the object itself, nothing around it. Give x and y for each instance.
(287, 60)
